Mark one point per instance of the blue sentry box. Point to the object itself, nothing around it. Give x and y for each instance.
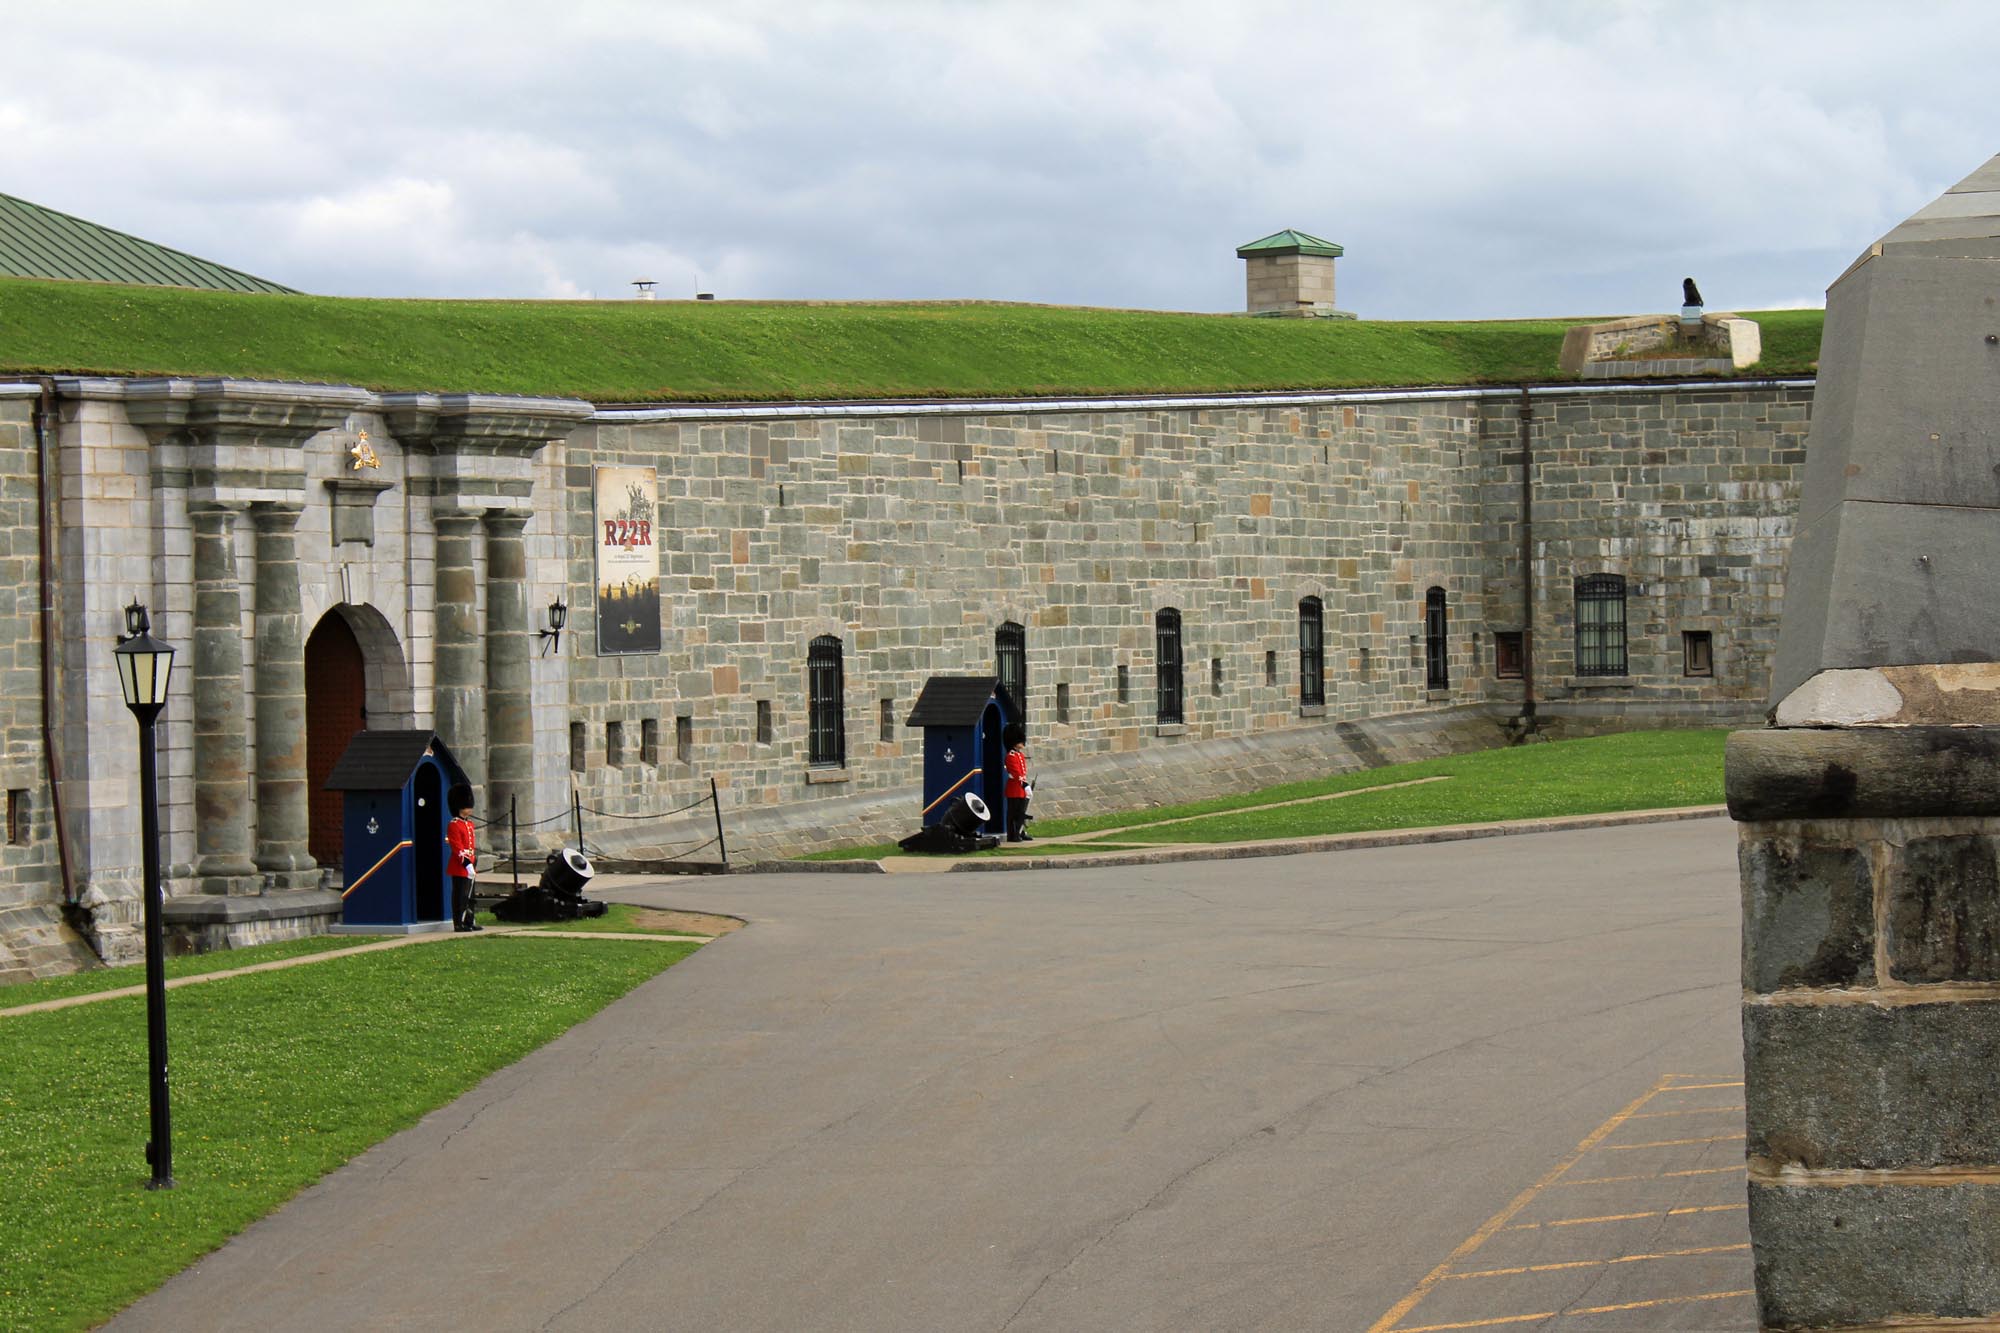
(393, 851)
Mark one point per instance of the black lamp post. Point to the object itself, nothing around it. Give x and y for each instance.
(144, 664)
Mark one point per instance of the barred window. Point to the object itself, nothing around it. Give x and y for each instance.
(1167, 653)
(827, 702)
(1010, 663)
(1437, 664)
(1312, 652)
(1600, 625)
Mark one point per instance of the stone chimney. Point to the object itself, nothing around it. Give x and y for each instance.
(1290, 274)
(1870, 813)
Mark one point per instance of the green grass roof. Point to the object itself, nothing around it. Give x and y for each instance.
(672, 351)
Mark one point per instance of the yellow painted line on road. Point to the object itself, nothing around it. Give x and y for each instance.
(1697, 1087)
(1629, 1217)
(1688, 1110)
(1595, 1263)
(1507, 1214)
(1589, 1309)
(1672, 1143)
(1659, 1175)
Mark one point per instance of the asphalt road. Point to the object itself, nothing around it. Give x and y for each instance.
(1464, 1085)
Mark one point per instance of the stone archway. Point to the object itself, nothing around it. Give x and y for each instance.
(356, 679)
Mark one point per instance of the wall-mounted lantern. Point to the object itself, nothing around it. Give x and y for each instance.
(558, 617)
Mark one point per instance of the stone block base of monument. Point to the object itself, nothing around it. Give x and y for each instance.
(1871, 1022)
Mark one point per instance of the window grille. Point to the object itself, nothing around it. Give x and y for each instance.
(826, 696)
(1167, 653)
(1600, 625)
(1312, 652)
(764, 729)
(1437, 664)
(1010, 661)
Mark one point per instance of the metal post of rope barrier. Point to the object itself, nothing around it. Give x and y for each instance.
(716, 801)
(514, 837)
(576, 808)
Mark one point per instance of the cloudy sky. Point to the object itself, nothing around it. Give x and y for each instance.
(1476, 159)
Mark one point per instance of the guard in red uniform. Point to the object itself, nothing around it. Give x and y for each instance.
(1018, 789)
(464, 859)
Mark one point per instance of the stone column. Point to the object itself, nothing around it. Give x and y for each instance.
(221, 778)
(510, 732)
(1870, 838)
(283, 817)
(461, 665)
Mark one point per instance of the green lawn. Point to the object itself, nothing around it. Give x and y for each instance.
(279, 1077)
(633, 351)
(1638, 770)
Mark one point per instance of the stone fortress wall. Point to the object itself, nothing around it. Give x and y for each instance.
(913, 538)
(908, 533)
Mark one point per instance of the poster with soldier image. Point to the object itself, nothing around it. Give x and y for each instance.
(628, 561)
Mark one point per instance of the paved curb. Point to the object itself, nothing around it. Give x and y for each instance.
(328, 955)
(1234, 851)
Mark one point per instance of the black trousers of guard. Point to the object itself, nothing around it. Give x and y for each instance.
(1017, 816)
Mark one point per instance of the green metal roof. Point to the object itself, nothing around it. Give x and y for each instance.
(1289, 242)
(37, 242)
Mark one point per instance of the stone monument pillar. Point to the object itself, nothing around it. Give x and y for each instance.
(510, 732)
(1870, 835)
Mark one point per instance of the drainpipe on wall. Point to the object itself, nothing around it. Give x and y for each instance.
(1527, 564)
(47, 432)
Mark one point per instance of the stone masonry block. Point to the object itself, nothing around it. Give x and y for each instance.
(1944, 910)
(1838, 1256)
(1868, 1087)
(1808, 915)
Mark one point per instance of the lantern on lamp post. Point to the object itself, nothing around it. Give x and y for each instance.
(144, 665)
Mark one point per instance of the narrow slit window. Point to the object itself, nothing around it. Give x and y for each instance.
(764, 729)
(1312, 652)
(614, 744)
(1437, 661)
(649, 741)
(1062, 701)
(1169, 706)
(684, 738)
(826, 697)
(1697, 652)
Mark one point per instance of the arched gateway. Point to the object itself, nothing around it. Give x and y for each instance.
(356, 678)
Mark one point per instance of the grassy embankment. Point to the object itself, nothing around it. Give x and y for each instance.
(632, 351)
(278, 1078)
(1642, 770)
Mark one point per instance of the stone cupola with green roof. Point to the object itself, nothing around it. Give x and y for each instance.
(1290, 273)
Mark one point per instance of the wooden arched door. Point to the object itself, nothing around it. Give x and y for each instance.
(336, 708)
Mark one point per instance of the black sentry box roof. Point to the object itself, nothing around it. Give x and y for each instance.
(957, 701)
(384, 760)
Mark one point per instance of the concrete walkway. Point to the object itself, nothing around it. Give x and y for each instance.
(1394, 1090)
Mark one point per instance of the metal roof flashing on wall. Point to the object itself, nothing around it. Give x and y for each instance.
(637, 415)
